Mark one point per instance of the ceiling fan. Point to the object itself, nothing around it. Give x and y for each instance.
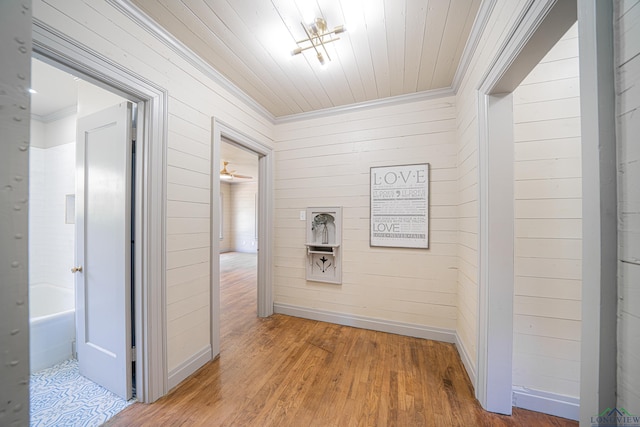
(230, 175)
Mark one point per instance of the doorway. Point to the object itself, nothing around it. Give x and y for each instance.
(260, 226)
(58, 100)
(149, 281)
(238, 227)
(539, 30)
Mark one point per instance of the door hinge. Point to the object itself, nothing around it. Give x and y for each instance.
(133, 354)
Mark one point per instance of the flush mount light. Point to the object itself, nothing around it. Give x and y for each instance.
(317, 38)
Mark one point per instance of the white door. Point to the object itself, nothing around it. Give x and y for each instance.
(103, 248)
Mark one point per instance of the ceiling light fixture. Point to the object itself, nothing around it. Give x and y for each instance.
(318, 37)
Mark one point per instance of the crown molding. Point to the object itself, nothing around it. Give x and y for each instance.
(479, 24)
(56, 115)
(366, 105)
(143, 20)
(152, 27)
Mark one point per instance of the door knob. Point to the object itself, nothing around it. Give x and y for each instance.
(76, 269)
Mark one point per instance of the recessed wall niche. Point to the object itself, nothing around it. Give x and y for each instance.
(324, 237)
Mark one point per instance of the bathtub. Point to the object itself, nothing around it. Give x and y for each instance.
(52, 325)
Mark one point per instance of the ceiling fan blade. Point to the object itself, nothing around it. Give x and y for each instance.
(235, 175)
(231, 173)
(224, 170)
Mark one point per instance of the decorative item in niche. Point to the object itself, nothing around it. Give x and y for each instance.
(324, 237)
(400, 206)
(320, 227)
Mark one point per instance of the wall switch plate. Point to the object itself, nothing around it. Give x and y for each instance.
(303, 215)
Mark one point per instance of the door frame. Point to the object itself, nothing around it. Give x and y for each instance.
(220, 129)
(63, 52)
(535, 32)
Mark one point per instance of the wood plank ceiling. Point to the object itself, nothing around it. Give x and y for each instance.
(390, 48)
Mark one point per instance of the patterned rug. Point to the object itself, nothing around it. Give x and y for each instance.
(61, 397)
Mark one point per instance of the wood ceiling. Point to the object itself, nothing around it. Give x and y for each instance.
(390, 48)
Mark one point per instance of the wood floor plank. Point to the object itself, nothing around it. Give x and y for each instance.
(286, 371)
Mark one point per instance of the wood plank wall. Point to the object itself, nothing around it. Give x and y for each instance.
(627, 58)
(193, 99)
(243, 216)
(239, 217)
(548, 223)
(326, 162)
(226, 243)
(502, 17)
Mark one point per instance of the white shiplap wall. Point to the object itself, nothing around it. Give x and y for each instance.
(326, 162)
(239, 217)
(243, 216)
(226, 243)
(627, 57)
(502, 17)
(193, 99)
(548, 224)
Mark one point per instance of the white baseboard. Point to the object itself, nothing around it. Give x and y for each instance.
(548, 403)
(189, 366)
(381, 325)
(466, 360)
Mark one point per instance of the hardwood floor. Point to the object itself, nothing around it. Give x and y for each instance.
(286, 371)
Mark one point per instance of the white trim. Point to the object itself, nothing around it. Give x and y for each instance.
(367, 105)
(219, 130)
(64, 52)
(598, 368)
(496, 263)
(539, 26)
(56, 115)
(144, 21)
(189, 366)
(380, 325)
(548, 403)
(466, 359)
(482, 18)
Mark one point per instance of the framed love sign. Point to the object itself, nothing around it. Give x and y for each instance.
(400, 206)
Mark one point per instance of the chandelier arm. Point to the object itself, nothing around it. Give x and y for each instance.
(310, 38)
(302, 49)
(325, 49)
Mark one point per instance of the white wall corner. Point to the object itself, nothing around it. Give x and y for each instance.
(425, 95)
(380, 325)
(189, 366)
(549, 403)
(469, 366)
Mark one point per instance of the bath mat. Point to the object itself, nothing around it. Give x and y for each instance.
(60, 396)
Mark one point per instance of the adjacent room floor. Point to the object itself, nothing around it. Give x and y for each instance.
(60, 396)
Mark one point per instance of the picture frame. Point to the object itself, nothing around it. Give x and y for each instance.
(399, 206)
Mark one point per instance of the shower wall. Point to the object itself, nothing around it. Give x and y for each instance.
(52, 178)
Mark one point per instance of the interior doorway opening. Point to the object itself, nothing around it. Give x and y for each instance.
(59, 102)
(150, 101)
(239, 216)
(540, 29)
(259, 228)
